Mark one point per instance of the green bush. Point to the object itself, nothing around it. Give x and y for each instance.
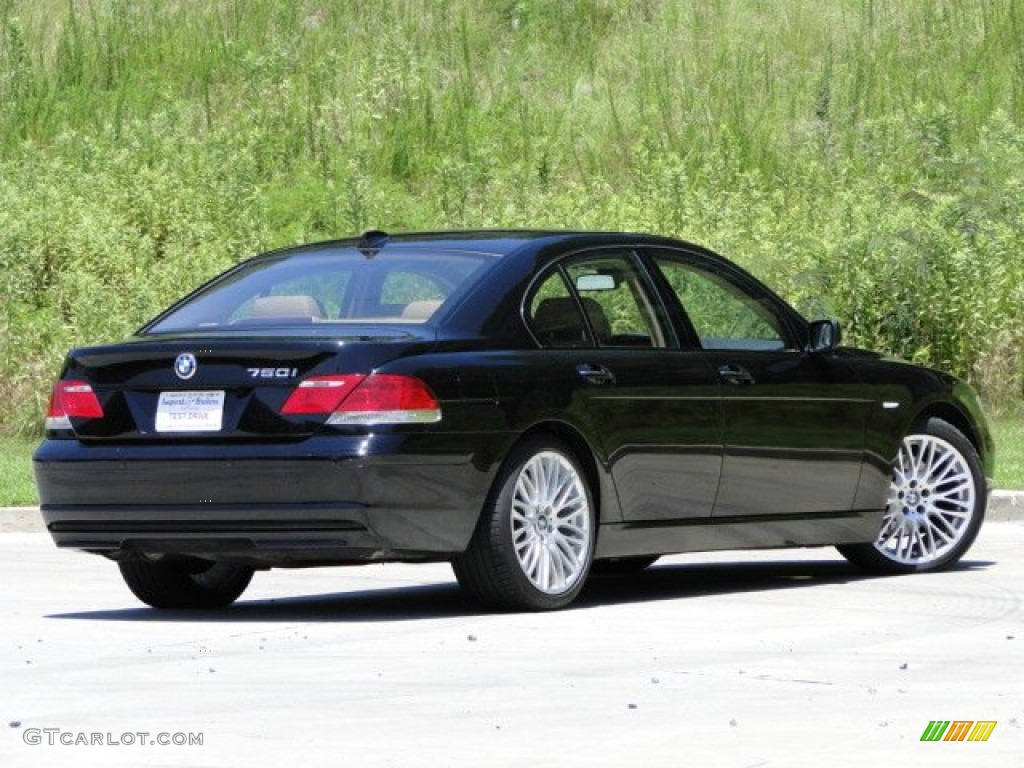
(866, 159)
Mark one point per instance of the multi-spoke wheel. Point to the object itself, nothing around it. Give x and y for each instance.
(535, 541)
(936, 504)
(550, 520)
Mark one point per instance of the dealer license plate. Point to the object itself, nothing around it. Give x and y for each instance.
(190, 412)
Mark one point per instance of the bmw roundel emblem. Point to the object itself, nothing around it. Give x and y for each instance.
(185, 365)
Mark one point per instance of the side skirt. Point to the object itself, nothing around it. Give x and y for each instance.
(664, 537)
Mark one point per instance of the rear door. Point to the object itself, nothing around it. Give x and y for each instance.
(652, 407)
(793, 421)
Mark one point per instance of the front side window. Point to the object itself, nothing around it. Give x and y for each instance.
(723, 314)
(333, 285)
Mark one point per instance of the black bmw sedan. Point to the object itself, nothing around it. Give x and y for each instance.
(531, 406)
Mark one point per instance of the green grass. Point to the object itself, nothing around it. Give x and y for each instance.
(864, 157)
(17, 485)
(1009, 437)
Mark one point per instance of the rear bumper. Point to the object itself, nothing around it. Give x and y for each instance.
(326, 500)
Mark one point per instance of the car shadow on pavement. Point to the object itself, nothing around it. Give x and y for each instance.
(681, 580)
(446, 600)
(398, 603)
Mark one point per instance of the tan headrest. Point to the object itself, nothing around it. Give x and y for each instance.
(420, 310)
(286, 306)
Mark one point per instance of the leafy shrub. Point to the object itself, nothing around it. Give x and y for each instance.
(868, 161)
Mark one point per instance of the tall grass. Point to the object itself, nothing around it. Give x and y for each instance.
(866, 157)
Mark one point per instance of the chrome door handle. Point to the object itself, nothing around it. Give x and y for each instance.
(734, 374)
(593, 373)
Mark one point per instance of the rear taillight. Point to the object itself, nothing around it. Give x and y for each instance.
(320, 394)
(356, 399)
(72, 399)
(387, 399)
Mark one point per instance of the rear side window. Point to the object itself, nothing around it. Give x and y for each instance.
(597, 298)
(617, 301)
(338, 285)
(555, 316)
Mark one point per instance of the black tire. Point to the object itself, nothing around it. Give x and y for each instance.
(492, 569)
(927, 503)
(185, 583)
(622, 566)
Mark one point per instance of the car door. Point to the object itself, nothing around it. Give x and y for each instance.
(651, 408)
(793, 421)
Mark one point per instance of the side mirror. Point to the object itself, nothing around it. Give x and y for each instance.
(825, 336)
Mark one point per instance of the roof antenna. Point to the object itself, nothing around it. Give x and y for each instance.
(371, 242)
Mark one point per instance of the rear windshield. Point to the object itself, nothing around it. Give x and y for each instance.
(338, 285)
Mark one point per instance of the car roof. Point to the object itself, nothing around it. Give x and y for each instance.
(496, 242)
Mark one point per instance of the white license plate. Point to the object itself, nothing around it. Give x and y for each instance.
(190, 412)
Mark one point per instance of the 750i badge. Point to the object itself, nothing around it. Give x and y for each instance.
(273, 373)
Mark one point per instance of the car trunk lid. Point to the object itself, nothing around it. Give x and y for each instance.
(203, 387)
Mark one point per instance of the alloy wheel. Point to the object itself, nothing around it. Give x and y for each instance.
(550, 521)
(931, 502)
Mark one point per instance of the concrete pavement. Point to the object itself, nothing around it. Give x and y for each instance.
(786, 658)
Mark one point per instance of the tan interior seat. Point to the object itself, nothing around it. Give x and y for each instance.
(598, 319)
(269, 307)
(420, 310)
(558, 321)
